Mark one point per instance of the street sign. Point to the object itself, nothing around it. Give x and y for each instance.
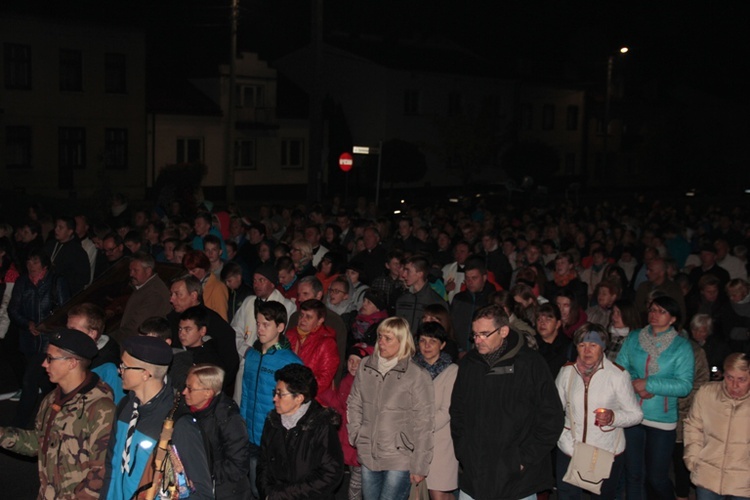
(346, 161)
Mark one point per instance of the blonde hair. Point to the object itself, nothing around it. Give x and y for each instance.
(399, 327)
(305, 249)
(209, 375)
(737, 361)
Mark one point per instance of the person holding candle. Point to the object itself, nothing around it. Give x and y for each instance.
(599, 403)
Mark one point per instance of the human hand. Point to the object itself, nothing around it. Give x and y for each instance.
(33, 329)
(416, 478)
(450, 285)
(604, 416)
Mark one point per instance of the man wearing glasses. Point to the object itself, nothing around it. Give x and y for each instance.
(505, 413)
(74, 422)
(139, 423)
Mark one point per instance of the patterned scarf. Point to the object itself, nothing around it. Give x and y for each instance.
(564, 280)
(363, 322)
(443, 362)
(654, 345)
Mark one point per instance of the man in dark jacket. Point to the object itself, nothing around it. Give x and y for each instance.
(505, 414)
(465, 303)
(410, 305)
(68, 257)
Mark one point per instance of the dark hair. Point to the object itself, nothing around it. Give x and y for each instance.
(230, 269)
(114, 237)
(672, 307)
(432, 329)
(272, 311)
(285, 264)
(133, 236)
(205, 216)
(94, 315)
(157, 326)
(575, 307)
(442, 314)
(196, 314)
(475, 264)
(343, 281)
(39, 253)
(496, 313)
(68, 220)
(420, 263)
(213, 239)
(299, 379)
(196, 259)
(629, 314)
(314, 305)
(337, 263)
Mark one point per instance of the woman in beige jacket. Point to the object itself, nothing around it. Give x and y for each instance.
(717, 434)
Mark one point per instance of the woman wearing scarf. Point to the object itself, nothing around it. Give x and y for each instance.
(599, 401)
(660, 364)
(373, 311)
(443, 477)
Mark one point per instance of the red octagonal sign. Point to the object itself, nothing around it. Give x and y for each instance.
(346, 161)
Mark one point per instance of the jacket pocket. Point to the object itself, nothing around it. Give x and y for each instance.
(403, 444)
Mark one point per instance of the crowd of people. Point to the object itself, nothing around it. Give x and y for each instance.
(452, 350)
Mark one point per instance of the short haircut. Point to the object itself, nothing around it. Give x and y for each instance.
(196, 314)
(496, 313)
(230, 269)
(192, 284)
(196, 259)
(146, 260)
(314, 282)
(394, 254)
(549, 310)
(420, 263)
(399, 327)
(68, 220)
(708, 280)
(156, 326)
(702, 321)
(737, 284)
(343, 281)
(285, 264)
(432, 329)
(313, 226)
(566, 256)
(672, 307)
(41, 255)
(587, 328)
(475, 264)
(209, 375)
(737, 361)
(205, 216)
(95, 317)
(133, 236)
(114, 237)
(212, 239)
(272, 311)
(299, 379)
(314, 305)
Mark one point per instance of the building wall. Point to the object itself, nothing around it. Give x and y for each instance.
(44, 107)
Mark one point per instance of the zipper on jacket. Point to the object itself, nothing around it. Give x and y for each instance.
(585, 408)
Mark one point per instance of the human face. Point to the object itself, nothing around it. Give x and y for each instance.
(139, 273)
(394, 267)
(736, 383)
(196, 394)
(262, 287)
(352, 364)
(710, 293)
(81, 227)
(737, 293)
(201, 226)
(268, 331)
(213, 252)
(412, 275)
(605, 298)
(58, 364)
(430, 348)
(326, 266)
(233, 282)
(708, 259)
(62, 232)
(487, 341)
(198, 272)
(388, 345)
(589, 353)
(562, 266)
(190, 334)
(659, 319)
(564, 304)
(548, 327)
(532, 254)
(111, 250)
(404, 229)
(617, 318)
(133, 246)
(264, 253)
(353, 276)
(177, 256)
(488, 243)
(337, 294)
(312, 236)
(475, 280)
(461, 253)
(285, 402)
(309, 321)
(180, 298)
(699, 334)
(305, 292)
(81, 324)
(133, 372)
(26, 235)
(34, 266)
(368, 308)
(169, 251)
(722, 249)
(443, 241)
(370, 239)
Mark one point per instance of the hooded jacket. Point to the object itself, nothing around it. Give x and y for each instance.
(319, 352)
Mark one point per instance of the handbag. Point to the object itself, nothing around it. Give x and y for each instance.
(419, 491)
(589, 465)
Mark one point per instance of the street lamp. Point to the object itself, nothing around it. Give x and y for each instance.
(608, 98)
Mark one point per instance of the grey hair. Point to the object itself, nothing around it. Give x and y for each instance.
(702, 321)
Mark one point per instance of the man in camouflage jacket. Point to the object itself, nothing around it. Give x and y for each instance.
(73, 426)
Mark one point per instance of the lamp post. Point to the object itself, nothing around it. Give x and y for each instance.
(608, 98)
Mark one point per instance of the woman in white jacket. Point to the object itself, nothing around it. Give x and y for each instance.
(599, 402)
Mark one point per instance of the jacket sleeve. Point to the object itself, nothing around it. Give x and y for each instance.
(24, 441)
(442, 412)
(236, 445)
(4, 318)
(548, 415)
(322, 480)
(693, 429)
(629, 412)
(422, 420)
(100, 419)
(190, 446)
(457, 410)
(327, 364)
(354, 407)
(680, 383)
(561, 384)
(15, 311)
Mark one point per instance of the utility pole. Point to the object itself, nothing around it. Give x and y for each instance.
(229, 132)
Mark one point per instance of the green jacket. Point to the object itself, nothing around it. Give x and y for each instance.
(71, 443)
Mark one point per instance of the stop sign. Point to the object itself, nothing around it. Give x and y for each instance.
(346, 161)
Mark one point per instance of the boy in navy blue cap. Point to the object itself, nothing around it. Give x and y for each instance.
(140, 417)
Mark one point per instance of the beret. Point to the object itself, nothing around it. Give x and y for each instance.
(269, 272)
(74, 341)
(150, 350)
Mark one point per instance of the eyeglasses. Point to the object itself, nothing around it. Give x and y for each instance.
(280, 394)
(332, 291)
(50, 359)
(483, 335)
(656, 310)
(194, 389)
(123, 367)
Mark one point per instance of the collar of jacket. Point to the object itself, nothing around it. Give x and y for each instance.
(401, 366)
(514, 347)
